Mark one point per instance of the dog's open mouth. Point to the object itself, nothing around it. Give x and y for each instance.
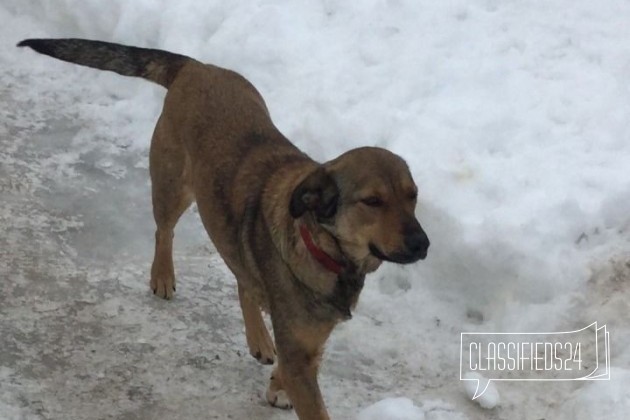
(398, 257)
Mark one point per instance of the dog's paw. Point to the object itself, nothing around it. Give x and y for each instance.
(279, 398)
(262, 349)
(162, 287)
(264, 358)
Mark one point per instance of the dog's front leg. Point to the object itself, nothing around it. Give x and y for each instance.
(258, 339)
(299, 355)
(303, 390)
(298, 383)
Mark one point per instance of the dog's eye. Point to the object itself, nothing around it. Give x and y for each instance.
(413, 195)
(372, 201)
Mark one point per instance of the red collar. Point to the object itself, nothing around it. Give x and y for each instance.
(324, 259)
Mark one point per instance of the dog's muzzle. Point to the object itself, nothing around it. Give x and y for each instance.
(416, 248)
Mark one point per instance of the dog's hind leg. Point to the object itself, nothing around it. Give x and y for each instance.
(258, 339)
(172, 195)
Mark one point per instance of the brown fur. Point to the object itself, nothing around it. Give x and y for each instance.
(216, 144)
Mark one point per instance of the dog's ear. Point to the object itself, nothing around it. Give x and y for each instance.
(318, 193)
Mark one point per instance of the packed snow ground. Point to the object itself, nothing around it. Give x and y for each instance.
(514, 117)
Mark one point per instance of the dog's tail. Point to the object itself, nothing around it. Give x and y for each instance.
(155, 65)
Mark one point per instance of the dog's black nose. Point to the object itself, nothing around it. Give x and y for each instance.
(417, 243)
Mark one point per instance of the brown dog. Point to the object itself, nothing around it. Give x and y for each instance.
(299, 236)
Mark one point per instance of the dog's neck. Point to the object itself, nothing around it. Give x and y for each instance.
(340, 281)
(321, 256)
(330, 291)
(321, 245)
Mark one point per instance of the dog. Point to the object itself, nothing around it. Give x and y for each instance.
(299, 236)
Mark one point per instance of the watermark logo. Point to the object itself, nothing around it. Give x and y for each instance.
(578, 355)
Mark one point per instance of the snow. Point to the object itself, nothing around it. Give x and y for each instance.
(482, 390)
(513, 117)
(392, 409)
(600, 400)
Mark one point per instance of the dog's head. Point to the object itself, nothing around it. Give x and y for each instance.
(365, 198)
